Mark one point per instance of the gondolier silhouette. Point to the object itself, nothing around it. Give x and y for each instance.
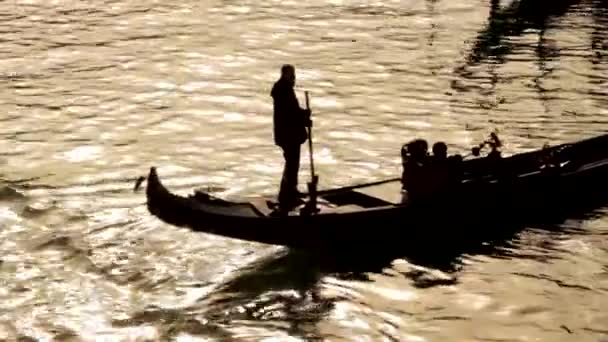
(290, 123)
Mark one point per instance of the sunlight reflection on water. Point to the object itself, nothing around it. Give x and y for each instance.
(96, 93)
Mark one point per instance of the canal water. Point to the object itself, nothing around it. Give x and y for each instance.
(95, 92)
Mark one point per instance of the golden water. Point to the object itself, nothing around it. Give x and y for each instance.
(95, 92)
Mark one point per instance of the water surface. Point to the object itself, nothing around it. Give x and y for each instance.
(95, 92)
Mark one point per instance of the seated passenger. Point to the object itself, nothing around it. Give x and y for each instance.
(429, 176)
(450, 166)
(421, 149)
(440, 151)
(438, 174)
(414, 157)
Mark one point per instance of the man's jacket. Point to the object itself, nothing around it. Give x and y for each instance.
(289, 118)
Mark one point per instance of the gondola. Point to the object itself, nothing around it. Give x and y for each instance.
(526, 187)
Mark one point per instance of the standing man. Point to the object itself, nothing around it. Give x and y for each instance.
(290, 123)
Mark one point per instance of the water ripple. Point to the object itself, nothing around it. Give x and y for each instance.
(97, 92)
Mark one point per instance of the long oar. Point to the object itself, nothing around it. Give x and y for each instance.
(311, 206)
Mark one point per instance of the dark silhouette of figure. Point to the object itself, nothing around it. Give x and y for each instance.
(427, 177)
(447, 170)
(414, 157)
(290, 123)
(439, 170)
(440, 151)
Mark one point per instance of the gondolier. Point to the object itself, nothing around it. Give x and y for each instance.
(290, 123)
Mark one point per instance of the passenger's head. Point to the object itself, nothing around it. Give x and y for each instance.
(440, 150)
(418, 148)
(424, 146)
(288, 73)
